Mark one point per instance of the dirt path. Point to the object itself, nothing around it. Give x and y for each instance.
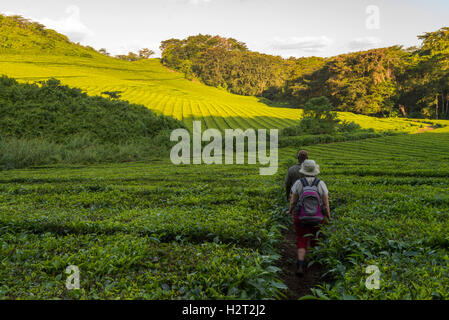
(297, 286)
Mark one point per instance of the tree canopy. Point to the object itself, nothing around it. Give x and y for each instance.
(381, 82)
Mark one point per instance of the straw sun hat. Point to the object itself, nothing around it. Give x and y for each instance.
(310, 168)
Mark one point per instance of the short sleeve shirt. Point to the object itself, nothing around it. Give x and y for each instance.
(322, 188)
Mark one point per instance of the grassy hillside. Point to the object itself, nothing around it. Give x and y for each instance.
(167, 92)
(29, 52)
(57, 113)
(21, 36)
(49, 123)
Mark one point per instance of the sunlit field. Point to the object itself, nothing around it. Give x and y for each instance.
(149, 83)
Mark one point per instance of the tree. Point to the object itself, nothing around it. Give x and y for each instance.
(318, 117)
(131, 56)
(113, 94)
(225, 63)
(426, 85)
(145, 53)
(103, 51)
(384, 82)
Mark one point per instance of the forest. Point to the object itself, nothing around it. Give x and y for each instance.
(394, 81)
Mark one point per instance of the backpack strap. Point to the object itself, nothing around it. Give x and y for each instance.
(304, 182)
(315, 183)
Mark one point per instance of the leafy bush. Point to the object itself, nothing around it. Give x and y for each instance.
(347, 126)
(318, 118)
(128, 267)
(139, 231)
(49, 123)
(56, 113)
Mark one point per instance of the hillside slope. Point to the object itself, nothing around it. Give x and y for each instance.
(58, 113)
(151, 84)
(147, 82)
(21, 36)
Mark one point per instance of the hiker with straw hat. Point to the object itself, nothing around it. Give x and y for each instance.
(309, 203)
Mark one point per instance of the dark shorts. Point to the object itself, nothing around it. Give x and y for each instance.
(305, 235)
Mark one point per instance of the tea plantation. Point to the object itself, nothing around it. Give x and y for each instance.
(153, 230)
(159, 231)
(149, 83)
(391, 210)
(147, 231)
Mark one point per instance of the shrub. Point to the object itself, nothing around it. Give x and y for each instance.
(56, 113)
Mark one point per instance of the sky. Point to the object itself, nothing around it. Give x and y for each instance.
(280, 27)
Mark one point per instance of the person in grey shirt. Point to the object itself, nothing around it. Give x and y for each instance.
(293, 173)
(307, 235)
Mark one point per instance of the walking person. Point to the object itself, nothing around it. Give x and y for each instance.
(293, 173)
(309, 204)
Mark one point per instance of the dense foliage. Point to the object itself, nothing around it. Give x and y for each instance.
(382, 82)
(19, 35)
(318, 117)
(47, 123)
(55, 112)
(426, 79)
(321, 125)
(225, 63)
(135, 235)
(361, 82)
(139, 231)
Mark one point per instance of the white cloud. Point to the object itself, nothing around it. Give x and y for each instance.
(306, 44)
(71, 25)
(364, 43)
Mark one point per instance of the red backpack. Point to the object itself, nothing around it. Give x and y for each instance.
(309, 207)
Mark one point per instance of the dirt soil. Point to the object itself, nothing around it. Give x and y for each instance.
(297, 286)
